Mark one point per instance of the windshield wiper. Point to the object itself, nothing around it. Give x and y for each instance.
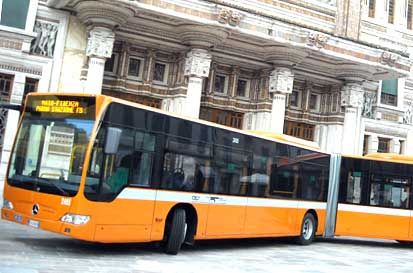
(49, 183)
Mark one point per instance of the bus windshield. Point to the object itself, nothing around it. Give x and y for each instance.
(49, 153)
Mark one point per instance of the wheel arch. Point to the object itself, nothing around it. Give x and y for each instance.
(314, 213)
(191, 218)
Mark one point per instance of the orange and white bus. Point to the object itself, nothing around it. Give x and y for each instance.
(102, 169)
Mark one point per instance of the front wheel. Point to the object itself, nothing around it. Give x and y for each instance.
(308, 228)
(176, 232)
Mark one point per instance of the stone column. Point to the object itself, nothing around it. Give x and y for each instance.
(400, 13)
(12, 122)
(408, 148)
(394, 146)
(352, 100)
(281, 84)
(99, 48)
(197, 65)
(382, 10)
(372, 144)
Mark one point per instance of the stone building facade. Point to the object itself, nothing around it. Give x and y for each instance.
(32, 38)
(334, 72)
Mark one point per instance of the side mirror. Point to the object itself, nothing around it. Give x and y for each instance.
(112, 140)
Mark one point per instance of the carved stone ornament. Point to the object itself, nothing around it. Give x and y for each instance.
(316, 39)
(281, 81)
(389, 58)
(100, 42)
(198, 63)
(230, 17)
(408, 114)
(369, 100)
(45, 41)
(352, 95)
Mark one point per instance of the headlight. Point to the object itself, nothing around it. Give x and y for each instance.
(7, 204)
(75, 219)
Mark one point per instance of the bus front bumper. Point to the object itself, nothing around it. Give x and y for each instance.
(82, 232)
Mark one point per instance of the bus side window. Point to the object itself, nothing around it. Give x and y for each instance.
(118, 167)
(390, 191)
(259, 180)
(285, 178)
(354, 181)
(184, 164)
(231, 166)
(142, 159)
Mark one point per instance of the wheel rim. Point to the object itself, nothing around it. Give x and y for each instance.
(308, 228)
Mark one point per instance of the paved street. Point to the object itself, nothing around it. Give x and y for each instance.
(26, 250)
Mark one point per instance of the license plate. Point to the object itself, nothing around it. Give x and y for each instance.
(33, 223)
(18, 218)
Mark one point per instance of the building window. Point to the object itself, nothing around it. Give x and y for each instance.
(160, 73)
(409, 14)
(300, 130)
(110, 64)
(314, 102)
(14, 13)
(148, 101)
(391, 12)
(242, 88)
(334, 103)
(228, 118)
(6, 84)
(134, 69)
(372, 8)
(294, 98)
(384, 145)
(389, 92)
(30, 86)
(402, 147)
(220, 84)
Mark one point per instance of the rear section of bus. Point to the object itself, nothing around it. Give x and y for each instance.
(47, 163)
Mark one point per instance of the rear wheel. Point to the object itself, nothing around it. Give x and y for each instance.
(308, 228)
(176, 232)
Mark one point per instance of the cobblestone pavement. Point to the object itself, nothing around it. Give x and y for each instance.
(26, 250)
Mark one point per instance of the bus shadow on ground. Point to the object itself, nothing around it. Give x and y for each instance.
(82, 248)
(366, 242)
(68, 245)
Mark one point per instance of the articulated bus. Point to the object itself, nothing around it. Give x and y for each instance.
(102, 169)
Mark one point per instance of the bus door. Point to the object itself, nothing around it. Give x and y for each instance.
(120, 182)
(227, 205)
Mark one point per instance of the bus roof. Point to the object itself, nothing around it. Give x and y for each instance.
(281, 138)
(287, 138)
(388, 157)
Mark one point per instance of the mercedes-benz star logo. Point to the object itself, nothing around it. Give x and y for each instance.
(35, 209)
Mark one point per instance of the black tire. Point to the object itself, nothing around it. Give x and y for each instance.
(176, 232)
(407, 243)
(308, 229)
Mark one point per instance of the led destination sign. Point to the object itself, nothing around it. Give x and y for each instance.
(62, 106)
